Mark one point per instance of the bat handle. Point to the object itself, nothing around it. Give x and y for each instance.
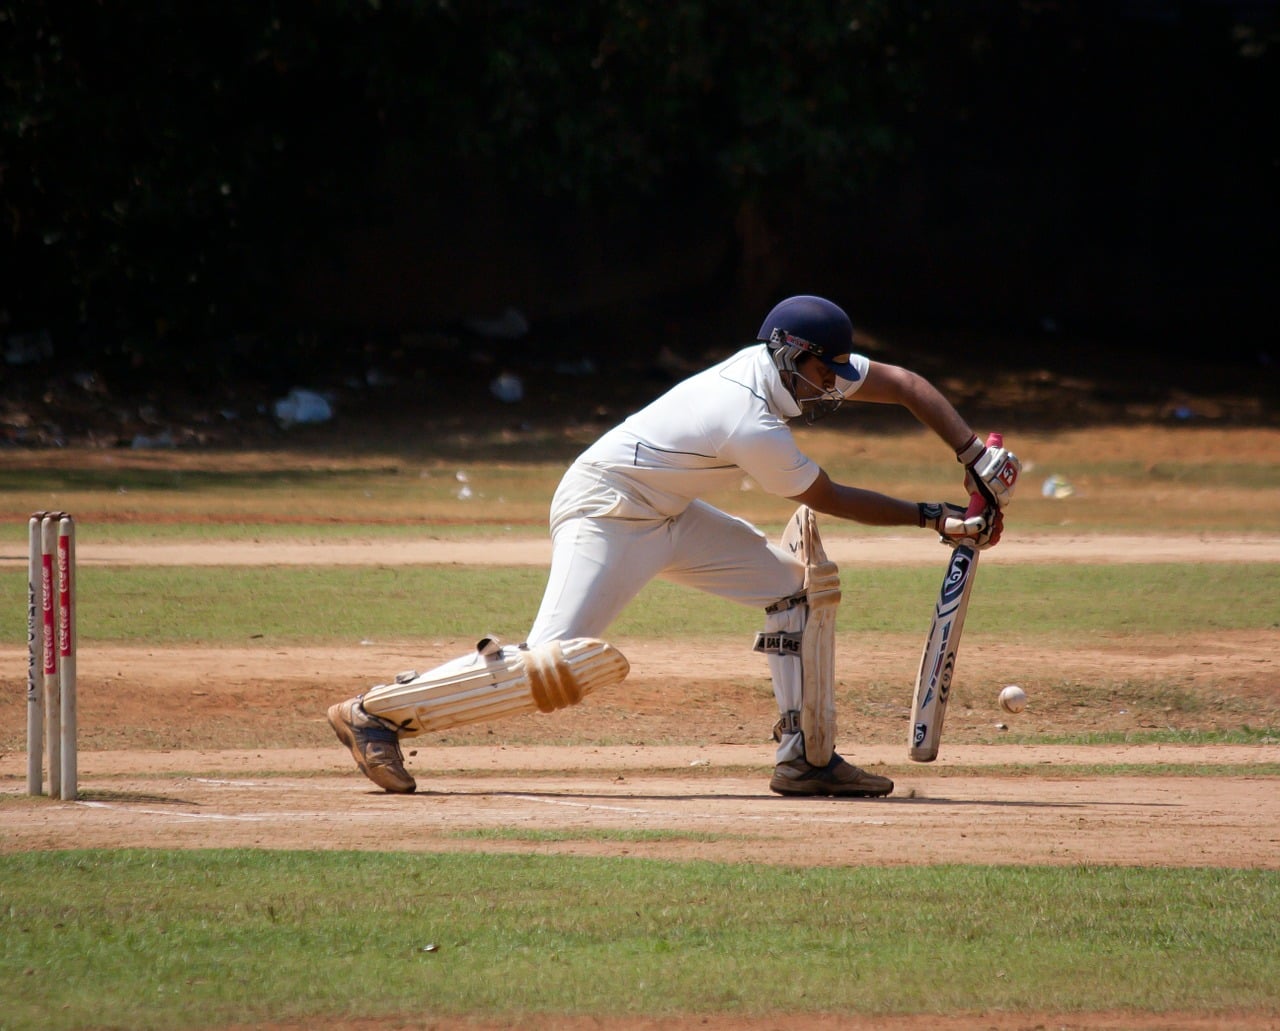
(976, 501)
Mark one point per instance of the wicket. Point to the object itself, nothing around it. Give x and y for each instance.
(51, 659)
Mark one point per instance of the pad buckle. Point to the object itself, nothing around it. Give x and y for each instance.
(788, 724)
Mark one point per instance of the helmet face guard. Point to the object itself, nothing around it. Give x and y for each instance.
(787, 350)
(814, 408)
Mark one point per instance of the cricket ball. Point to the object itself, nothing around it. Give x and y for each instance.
(1013, 699)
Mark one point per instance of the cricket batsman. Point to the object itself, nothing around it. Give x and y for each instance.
(628, 510)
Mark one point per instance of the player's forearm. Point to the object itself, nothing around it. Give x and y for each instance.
(890, 384)
(873, 509)
(923, 400)
(858, 505)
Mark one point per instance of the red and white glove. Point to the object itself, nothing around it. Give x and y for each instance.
(956, 525)
(990, 471)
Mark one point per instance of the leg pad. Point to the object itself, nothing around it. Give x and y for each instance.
(495, 681)
(817, 650)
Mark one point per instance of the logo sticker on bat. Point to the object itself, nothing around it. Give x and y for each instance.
(959, 572)
(944, 689)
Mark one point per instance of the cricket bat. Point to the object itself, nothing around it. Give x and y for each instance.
(938, 661)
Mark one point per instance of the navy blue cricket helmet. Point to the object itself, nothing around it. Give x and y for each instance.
(812, 325)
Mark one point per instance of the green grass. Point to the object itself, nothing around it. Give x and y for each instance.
(284, 483)
(290, 604)
(150, 939)
(108, 499)
(1197, 474)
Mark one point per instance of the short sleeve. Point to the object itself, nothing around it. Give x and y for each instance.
(771, 458)
(851, 387)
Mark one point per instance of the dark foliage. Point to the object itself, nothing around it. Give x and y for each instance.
(181, 178)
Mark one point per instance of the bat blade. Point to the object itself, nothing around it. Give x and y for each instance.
(938, 660)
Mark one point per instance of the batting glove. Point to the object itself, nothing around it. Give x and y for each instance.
(990, 471)
(954, 526)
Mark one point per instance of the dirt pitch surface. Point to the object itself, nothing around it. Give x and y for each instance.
(681, 747)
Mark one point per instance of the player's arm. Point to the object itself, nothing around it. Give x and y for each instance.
(874, 509)
(992, 471)
(893, 385)
(862, 506)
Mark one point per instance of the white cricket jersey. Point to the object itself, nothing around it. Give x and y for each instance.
(706, 432)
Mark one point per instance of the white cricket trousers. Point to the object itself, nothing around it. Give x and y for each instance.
(606, 547)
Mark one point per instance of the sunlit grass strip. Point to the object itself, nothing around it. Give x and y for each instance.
(530, 469)
(332, 604)
(151, 939)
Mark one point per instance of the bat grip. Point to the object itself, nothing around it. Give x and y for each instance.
(976, 501)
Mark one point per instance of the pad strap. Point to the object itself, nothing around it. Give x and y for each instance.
(784, 604)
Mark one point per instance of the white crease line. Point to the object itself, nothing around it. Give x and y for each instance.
(246, 818)
(578, 805)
